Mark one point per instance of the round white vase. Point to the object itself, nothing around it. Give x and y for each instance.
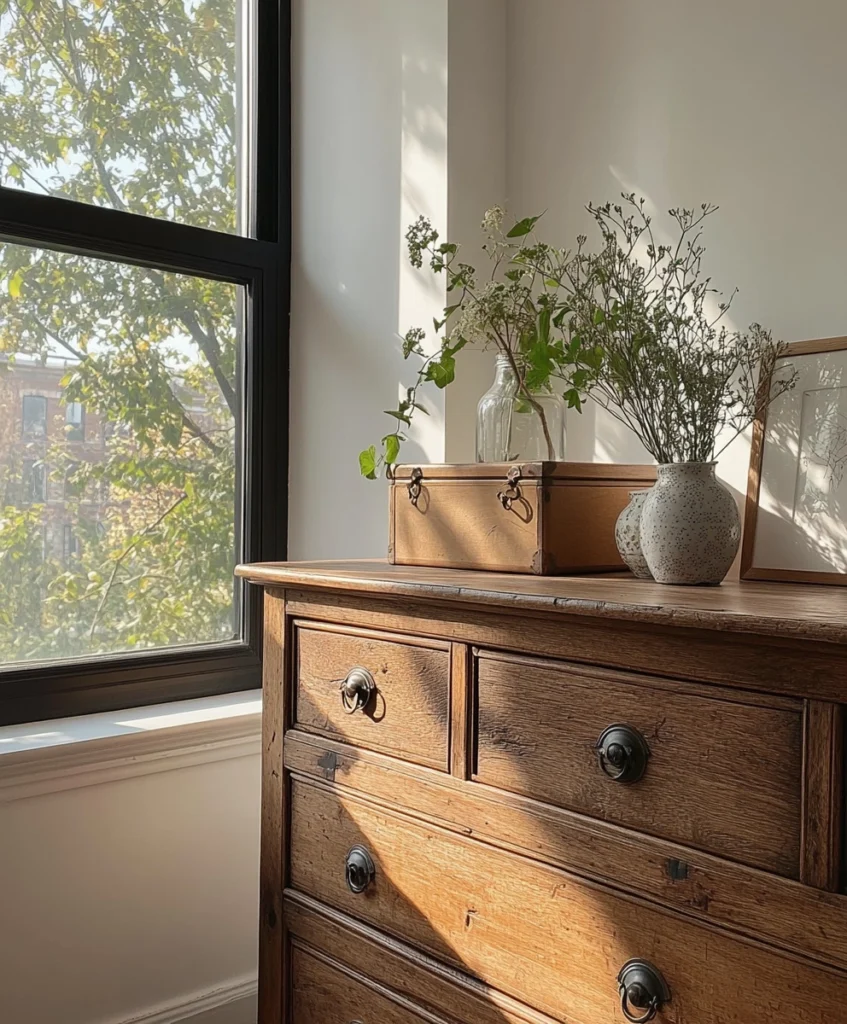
(628, 536)
(690, 527)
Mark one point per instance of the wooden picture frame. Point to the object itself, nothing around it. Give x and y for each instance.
(749, 570)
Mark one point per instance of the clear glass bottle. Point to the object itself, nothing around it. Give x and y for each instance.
(509, 427)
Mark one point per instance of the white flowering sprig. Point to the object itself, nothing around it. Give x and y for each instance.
(516, 310)
(657, 359)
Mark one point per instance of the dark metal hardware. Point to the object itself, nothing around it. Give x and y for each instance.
(357, 690)
(623, 753)
(359, 869)
(415, 486)
(642, 986)
(512, 491)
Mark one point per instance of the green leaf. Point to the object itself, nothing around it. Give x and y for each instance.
(15, 283)
(367, 463)
(398, 415)
(392, 448)
(523, 227)
(599, 317)
(443, 372)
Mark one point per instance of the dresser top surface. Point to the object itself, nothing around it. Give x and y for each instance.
(798, 611)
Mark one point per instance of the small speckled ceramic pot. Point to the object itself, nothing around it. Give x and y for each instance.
(628, 536)
(690, 527)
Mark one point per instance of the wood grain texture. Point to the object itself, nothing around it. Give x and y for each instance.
(461, 524)
(578, 525)
(273, 839)
(467, 904)
(723, 777)
(461, 711)
(402, 969)
(323, 990)
(572, 472)
(751, 902)
(409, 713)
(823, 795)
(768, 664)
(562, 520)
(764, 609)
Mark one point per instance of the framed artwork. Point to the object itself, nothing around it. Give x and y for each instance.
(795, 528)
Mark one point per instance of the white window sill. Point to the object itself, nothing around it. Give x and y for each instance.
(44, 757)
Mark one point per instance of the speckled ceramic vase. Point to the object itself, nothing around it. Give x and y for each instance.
(690, 527)
(628, 536)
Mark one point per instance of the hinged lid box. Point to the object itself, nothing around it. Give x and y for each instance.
(544, 518)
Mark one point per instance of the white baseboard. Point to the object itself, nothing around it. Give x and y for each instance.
(229, 1004)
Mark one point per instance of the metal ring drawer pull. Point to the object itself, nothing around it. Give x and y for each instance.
(415, 485)
(642, 986)
(359, 869)
(623, 753)
(357, 690)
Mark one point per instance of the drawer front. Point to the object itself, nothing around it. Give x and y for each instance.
(720, 775)
(324, 993)
(406, 712)
(537, 933)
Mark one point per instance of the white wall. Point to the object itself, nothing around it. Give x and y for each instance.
(370, 155)
(129, 875)
(476, 170)
(738, 102)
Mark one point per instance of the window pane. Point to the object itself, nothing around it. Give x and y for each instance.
(130, 104)
(34, 416)
(119, 398)
(74, 429)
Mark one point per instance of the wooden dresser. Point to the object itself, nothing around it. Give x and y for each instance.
(498, 799)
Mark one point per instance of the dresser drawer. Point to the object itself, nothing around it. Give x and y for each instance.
(719, 774)
(396, 695)
(537, 933)
(326, 993)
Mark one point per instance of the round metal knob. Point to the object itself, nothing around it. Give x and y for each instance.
(357, 690)
(359, 869)
(623, 753)
(642, 987)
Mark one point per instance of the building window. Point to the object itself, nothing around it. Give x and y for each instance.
(70, 544)
(74, 422)
(34, 482)
(148, 285)
(34, 416)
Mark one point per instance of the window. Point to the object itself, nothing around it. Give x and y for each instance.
(70, 545)
(34, 416)
(144, 242)
(74, 422)
(34, 484)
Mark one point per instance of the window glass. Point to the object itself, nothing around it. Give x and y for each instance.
(140, 517)
(34, 482)
(34, 416)
(74, 422)
(131, 104)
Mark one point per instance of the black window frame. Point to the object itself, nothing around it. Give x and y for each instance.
(40, 691)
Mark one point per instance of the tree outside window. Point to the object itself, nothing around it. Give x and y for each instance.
(129, 104)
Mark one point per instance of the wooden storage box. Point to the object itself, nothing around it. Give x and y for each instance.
(544, 518)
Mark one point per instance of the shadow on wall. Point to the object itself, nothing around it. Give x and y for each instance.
(370, 157)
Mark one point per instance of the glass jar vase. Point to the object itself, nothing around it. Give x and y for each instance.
(514, 427)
